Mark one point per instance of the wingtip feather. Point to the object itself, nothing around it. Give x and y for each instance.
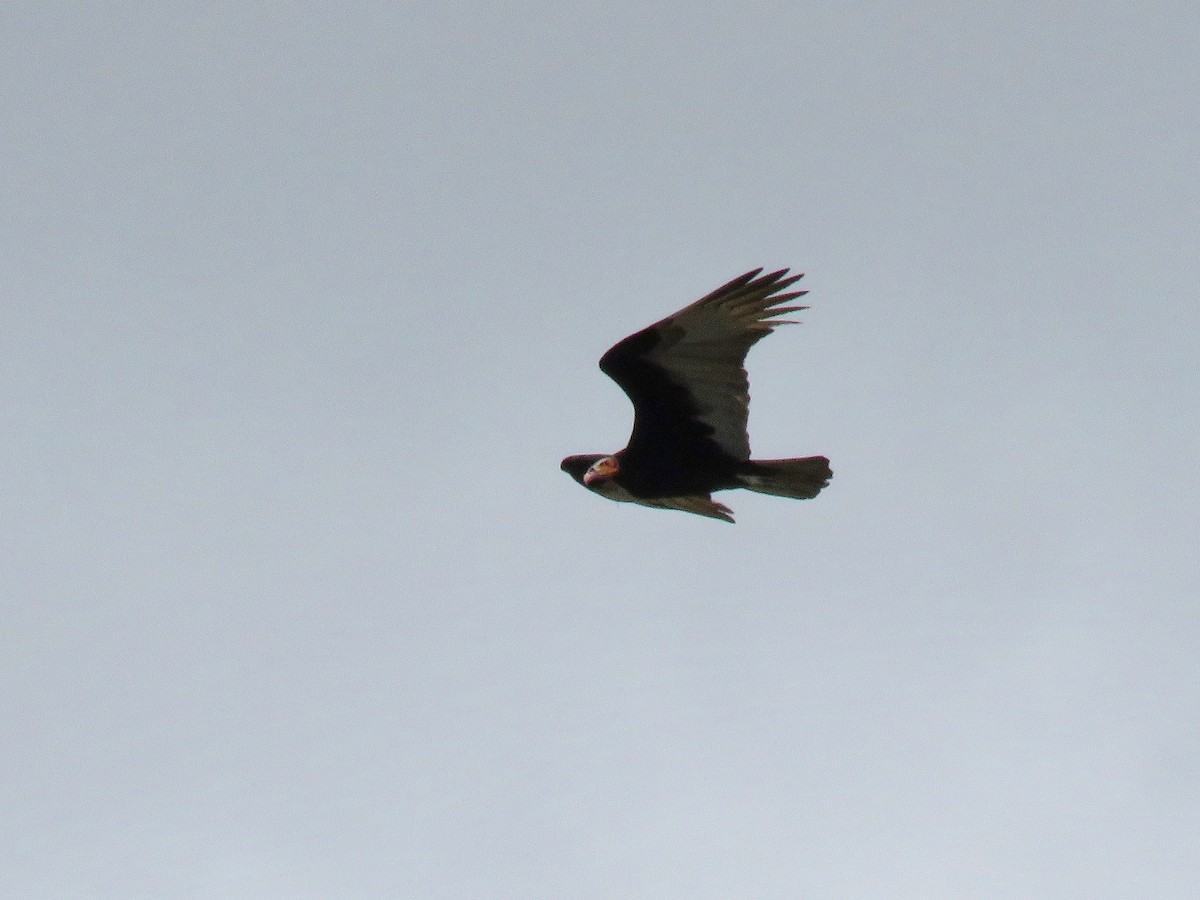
(781, 310)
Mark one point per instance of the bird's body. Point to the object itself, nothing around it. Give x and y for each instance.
(686, 378)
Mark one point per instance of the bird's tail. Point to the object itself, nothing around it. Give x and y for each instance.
(798, 478)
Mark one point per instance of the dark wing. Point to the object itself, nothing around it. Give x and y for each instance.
(700, 504)
(685, 374)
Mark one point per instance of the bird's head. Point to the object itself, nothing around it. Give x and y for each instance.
(590, 469)
(602, 469)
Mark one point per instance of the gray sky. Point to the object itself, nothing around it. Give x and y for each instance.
(302, 305)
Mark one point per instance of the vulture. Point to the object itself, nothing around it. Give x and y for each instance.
(687, 380)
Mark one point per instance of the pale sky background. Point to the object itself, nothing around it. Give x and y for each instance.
(302, 304)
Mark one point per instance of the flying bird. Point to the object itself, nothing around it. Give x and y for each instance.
(687, 380)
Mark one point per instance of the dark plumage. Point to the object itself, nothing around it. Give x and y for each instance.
(686, 378)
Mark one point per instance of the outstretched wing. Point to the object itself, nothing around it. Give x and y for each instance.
(700, 504)
(686, 375)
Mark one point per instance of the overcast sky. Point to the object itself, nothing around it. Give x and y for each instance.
(302, 304)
